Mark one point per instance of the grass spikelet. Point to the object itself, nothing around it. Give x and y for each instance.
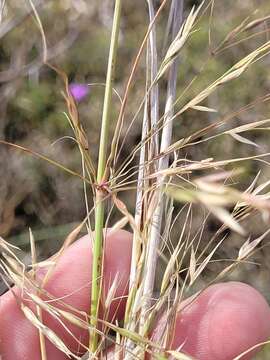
(180, 356)
(248, 247)
(47, 332)
(179, 41)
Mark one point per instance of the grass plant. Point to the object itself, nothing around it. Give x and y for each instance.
(168, 183)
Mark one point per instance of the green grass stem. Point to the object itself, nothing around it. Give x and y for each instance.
(100, 203)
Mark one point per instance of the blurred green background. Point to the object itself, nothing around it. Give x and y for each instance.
(37, 195)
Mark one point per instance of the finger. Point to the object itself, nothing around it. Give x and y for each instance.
(224, 321)
(71, 282)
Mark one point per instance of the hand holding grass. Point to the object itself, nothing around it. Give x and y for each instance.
(221, 323)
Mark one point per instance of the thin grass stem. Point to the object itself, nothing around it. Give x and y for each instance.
(100, 203)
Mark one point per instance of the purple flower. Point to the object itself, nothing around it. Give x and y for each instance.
(79, 91)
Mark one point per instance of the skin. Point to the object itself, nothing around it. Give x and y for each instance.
(222, 322)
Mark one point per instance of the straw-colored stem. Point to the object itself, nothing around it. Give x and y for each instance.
(154, 103)
(43, 352)
(114, 144)
(100, 203)
(155, 236)
(139, 204)
(141, 173)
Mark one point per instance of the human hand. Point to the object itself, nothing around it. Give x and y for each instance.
(225, 320)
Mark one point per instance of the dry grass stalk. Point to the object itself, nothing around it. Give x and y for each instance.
(154, 235)
(39, 312)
